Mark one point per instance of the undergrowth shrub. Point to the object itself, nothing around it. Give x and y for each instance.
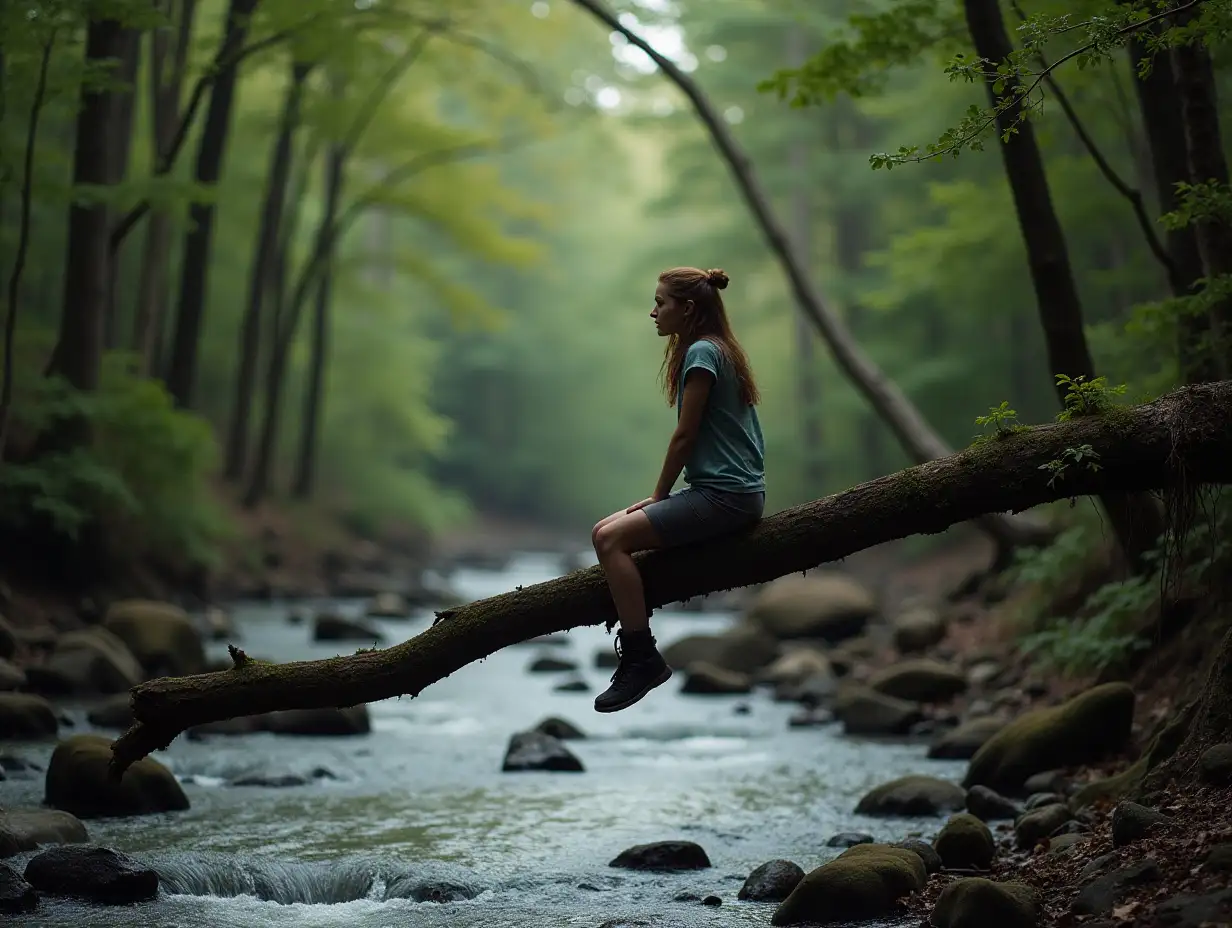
(143, 478)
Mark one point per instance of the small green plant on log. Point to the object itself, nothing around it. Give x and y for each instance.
(1002, 420)
(1058, 466)
(1086, 398)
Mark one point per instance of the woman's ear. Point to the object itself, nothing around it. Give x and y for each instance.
(688, 306)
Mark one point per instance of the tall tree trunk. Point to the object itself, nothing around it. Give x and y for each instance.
(1195, 80)
(310, 425)
(900, 415)
(276, 182)
(78, 353)
(123, 102)
(166, 88)
(1165, 133)
(1136, 521)
(194, 275)
(808, 382)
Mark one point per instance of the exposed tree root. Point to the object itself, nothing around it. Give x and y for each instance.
(1146, 447)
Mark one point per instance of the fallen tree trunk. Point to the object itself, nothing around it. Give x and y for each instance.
(1181, 440)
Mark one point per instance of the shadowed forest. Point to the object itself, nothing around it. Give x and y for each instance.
(340, 311)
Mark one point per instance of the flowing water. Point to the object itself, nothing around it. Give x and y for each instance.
(423, 799)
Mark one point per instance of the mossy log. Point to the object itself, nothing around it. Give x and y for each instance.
(1183, 438)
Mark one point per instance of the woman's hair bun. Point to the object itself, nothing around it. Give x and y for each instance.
(717, 278)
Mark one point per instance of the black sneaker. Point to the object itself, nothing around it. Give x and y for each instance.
(640, 670)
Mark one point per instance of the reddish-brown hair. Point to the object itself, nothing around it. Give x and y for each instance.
(709, 321)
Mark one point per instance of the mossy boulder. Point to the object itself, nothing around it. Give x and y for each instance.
(978, 903)
(12, 677)
(743, 648)
(864, 711)
(1037, 824)
(965, 843)
(961, 743)
(703, 678)
(913, 796)
(26, 717)
(773, 881)
(863, 882)
(87, 662)
(920, 680)
(160, 635)
(78, 782)
(98, 874)
(918, 629)
(1082, 730)
(24, 830)
(824, 605)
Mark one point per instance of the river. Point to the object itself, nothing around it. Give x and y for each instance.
(423, 796)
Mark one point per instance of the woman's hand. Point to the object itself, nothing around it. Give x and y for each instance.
(642, 505)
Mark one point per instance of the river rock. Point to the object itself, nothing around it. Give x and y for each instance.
(1099, 896)
(707, 679)
(95, 873)
(743, 648)
(1082, 730)
(116, 713)
(1215, 765)
(1050, 781)
(24, 830)
(572, 685)
(849, 839)
(26, 717)
(560, 729)
(270, 780)
(548, 663)
(1039, 800)
(330, 721)
(16, 895)
(918, 629)
(988, 805)
(864, 711)
(417, 888)
(1219, 858)
(161, 636)
(534, 750)
(925, 851)
(773, 881)
(388, 606)
(965, 843)
(824, 605)
(606, 659)
(8, 639)
(864, 882)
(218, 624)
(810, 717)
(88, 661)
(913, 796)
(975, 902)
(795, 665)
(812, 691)
(1132, 822)
(1037, 824)
(78, 782)
(663, 856)
(330, 627)
(920, 680)
(962, 742)
(1196, 910)
(12, 677)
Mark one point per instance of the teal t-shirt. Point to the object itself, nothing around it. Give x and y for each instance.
(729, 453)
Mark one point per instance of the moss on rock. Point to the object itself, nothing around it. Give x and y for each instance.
(78, 782)
(160, 635)
(913, 795)
(1082, 730)
(978, 903)
(863, 882)
(965, 843)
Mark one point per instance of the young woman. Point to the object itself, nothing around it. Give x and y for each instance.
(718, 445)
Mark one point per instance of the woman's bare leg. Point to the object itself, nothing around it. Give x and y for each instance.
(615, 539)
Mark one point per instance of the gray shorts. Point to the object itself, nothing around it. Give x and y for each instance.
(695, 514)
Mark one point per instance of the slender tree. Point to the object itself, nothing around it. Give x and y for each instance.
(277, 180)
(181, 374)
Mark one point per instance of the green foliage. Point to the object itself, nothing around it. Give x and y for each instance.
(1058, 467)
(1052, 565)
(1086, 398)
(1002, 420)
(144, 477)
(1109, 632)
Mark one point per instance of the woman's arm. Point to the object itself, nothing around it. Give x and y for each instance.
(697, 384)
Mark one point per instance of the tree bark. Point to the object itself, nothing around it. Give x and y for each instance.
(79, 347)
(194, 276)
(166, 89)
(123, 103)
(1195, 79)
(902, 417)
(1182, 439)
(305, 472)
(277, 180)
(1137, 522)
(1165, 133)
